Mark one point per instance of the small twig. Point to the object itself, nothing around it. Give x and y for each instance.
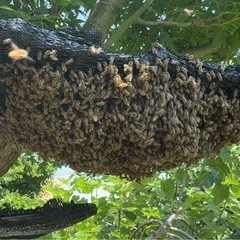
(222, 210)
(187, 224)
(119, 218)
(164, 227)
(172, 217)
(179, 202)
(181, 232)
(164, 23)
(168, 224)
(183, 186)
(173, 236)
(143, 225)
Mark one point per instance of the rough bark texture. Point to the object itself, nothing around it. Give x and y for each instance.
(103, 15)
(33, 223)
(8, 154)
(127, 115)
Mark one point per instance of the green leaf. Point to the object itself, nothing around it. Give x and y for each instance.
(220, 193)
(130, 215)
(167, 187)
(82, 184)
(179, 174)
(218, 164)
(210, 178)
(206, 234)
(10, 12)
(235, 190)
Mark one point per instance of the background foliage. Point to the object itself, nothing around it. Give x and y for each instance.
(209, 207)
(208, 29)
(209, 198)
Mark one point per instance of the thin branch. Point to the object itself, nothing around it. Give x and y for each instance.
(222, 210)
(187, 224)
(120, 31)
(181, 232)
(119, 218)
(172, 217)
(173, 236)
(168, 224)
(183, 186)
(143, 225)
(197, 51)
(164, 23)
(203, 49)
(212, 22)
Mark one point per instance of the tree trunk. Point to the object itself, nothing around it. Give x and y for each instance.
(109, 113)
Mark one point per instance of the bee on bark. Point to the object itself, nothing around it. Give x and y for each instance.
(17, 53)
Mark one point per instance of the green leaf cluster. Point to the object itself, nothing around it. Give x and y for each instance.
(208, 29)
(48, 14)
(27, 175)
(211, 31)
(209, 204)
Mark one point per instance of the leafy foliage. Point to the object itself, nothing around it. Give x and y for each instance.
(206, 33)
(27, 175)
(47, 14)
(209, 208)
(208, 29)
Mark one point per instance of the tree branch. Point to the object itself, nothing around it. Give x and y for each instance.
(33, 223)
(103, 15)
(163, 23)
(144, 225)
(124, 26)
(211, 22)
(180, 232)
(167, 226)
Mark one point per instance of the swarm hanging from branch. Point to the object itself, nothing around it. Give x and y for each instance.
(115, 114)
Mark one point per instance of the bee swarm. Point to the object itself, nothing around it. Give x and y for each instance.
(130, 122)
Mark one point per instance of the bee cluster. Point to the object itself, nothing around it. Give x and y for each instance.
(130, 121)
(9, 153)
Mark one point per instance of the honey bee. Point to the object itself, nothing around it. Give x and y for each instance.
(17, 53)
(69, 61)
(95, 51)
(143, 77)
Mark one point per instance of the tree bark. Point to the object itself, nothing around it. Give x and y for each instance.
(33, 223)
(8, 154)
(111, 113)
(103, 15)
